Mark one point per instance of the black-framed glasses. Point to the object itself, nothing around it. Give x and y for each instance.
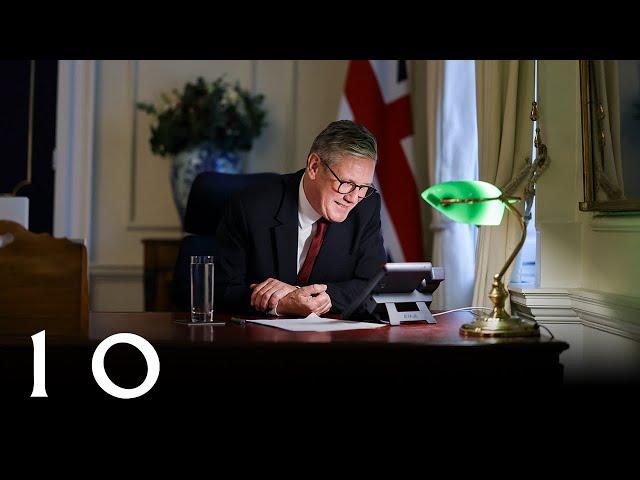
(364, 191)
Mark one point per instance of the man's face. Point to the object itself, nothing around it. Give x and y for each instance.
(321, 186)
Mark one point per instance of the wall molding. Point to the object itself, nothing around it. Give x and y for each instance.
(132, 92)
(617, 314)
(615, 223)
(608, 312)
(139, 227)
(293, 125)
(116, 272)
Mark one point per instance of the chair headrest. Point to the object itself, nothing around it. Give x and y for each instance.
(209, 195)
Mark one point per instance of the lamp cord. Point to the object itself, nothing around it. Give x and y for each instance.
(448, 311)
(459, 309)
(477, 308)
(548, 331)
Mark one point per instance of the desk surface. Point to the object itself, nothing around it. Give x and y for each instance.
(161, 328)
(251, 361)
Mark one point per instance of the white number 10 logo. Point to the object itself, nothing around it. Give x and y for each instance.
(97, 365)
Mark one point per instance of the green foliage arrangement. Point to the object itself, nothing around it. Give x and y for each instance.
(219, 112)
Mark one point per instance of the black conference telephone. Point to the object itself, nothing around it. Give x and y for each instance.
(399, 292)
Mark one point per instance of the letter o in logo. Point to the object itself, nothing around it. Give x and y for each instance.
(103, 380)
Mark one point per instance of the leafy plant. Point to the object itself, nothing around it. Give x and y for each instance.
(219, 112)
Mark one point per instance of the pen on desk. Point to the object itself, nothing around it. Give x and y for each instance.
(240, 321)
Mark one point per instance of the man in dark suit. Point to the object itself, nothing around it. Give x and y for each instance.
(309, 241)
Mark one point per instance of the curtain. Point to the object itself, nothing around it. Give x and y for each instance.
(453, 156)
(433, 101)
(504, 91)
(605, 130)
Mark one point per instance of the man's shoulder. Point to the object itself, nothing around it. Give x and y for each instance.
(262, 190)
(265, 193)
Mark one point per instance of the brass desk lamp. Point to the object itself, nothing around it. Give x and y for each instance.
(482, 203)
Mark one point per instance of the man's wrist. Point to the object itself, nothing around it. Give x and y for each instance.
(274, 310)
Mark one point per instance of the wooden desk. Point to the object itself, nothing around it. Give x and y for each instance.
(252, 361)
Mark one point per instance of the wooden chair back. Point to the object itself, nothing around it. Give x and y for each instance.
(43, 283)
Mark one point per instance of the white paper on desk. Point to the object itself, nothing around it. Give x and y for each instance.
(314, 323)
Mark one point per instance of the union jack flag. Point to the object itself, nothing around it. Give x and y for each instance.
(376, 95)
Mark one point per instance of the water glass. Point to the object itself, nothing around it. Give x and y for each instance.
(202, 288)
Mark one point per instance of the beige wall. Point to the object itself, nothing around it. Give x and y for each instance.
(588, 292)
(578, 249)
(131, 191)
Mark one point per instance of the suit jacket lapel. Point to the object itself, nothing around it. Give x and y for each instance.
(286, 230)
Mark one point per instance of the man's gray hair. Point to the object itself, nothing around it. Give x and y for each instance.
(345, 137)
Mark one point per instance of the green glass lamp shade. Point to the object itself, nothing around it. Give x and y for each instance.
(478, 213)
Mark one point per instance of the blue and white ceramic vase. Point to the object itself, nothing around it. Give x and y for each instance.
(188, 164)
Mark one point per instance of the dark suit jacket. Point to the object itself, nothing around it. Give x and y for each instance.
(258, 238)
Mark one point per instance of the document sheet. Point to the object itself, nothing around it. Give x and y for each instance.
(314, 323)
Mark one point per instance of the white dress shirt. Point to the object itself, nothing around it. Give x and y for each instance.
(307, 226)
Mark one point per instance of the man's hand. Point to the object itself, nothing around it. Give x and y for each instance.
(306, 300)
(267, 294)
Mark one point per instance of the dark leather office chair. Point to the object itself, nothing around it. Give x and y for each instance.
(207, 200)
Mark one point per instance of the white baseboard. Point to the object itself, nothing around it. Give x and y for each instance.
(608, 312)
(602, 330)
(544, 305)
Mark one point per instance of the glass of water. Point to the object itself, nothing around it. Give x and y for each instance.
(202, 289)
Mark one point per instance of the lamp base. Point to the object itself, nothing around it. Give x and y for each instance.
(500, 327)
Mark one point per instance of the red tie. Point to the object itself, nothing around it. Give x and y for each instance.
(314, 248)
